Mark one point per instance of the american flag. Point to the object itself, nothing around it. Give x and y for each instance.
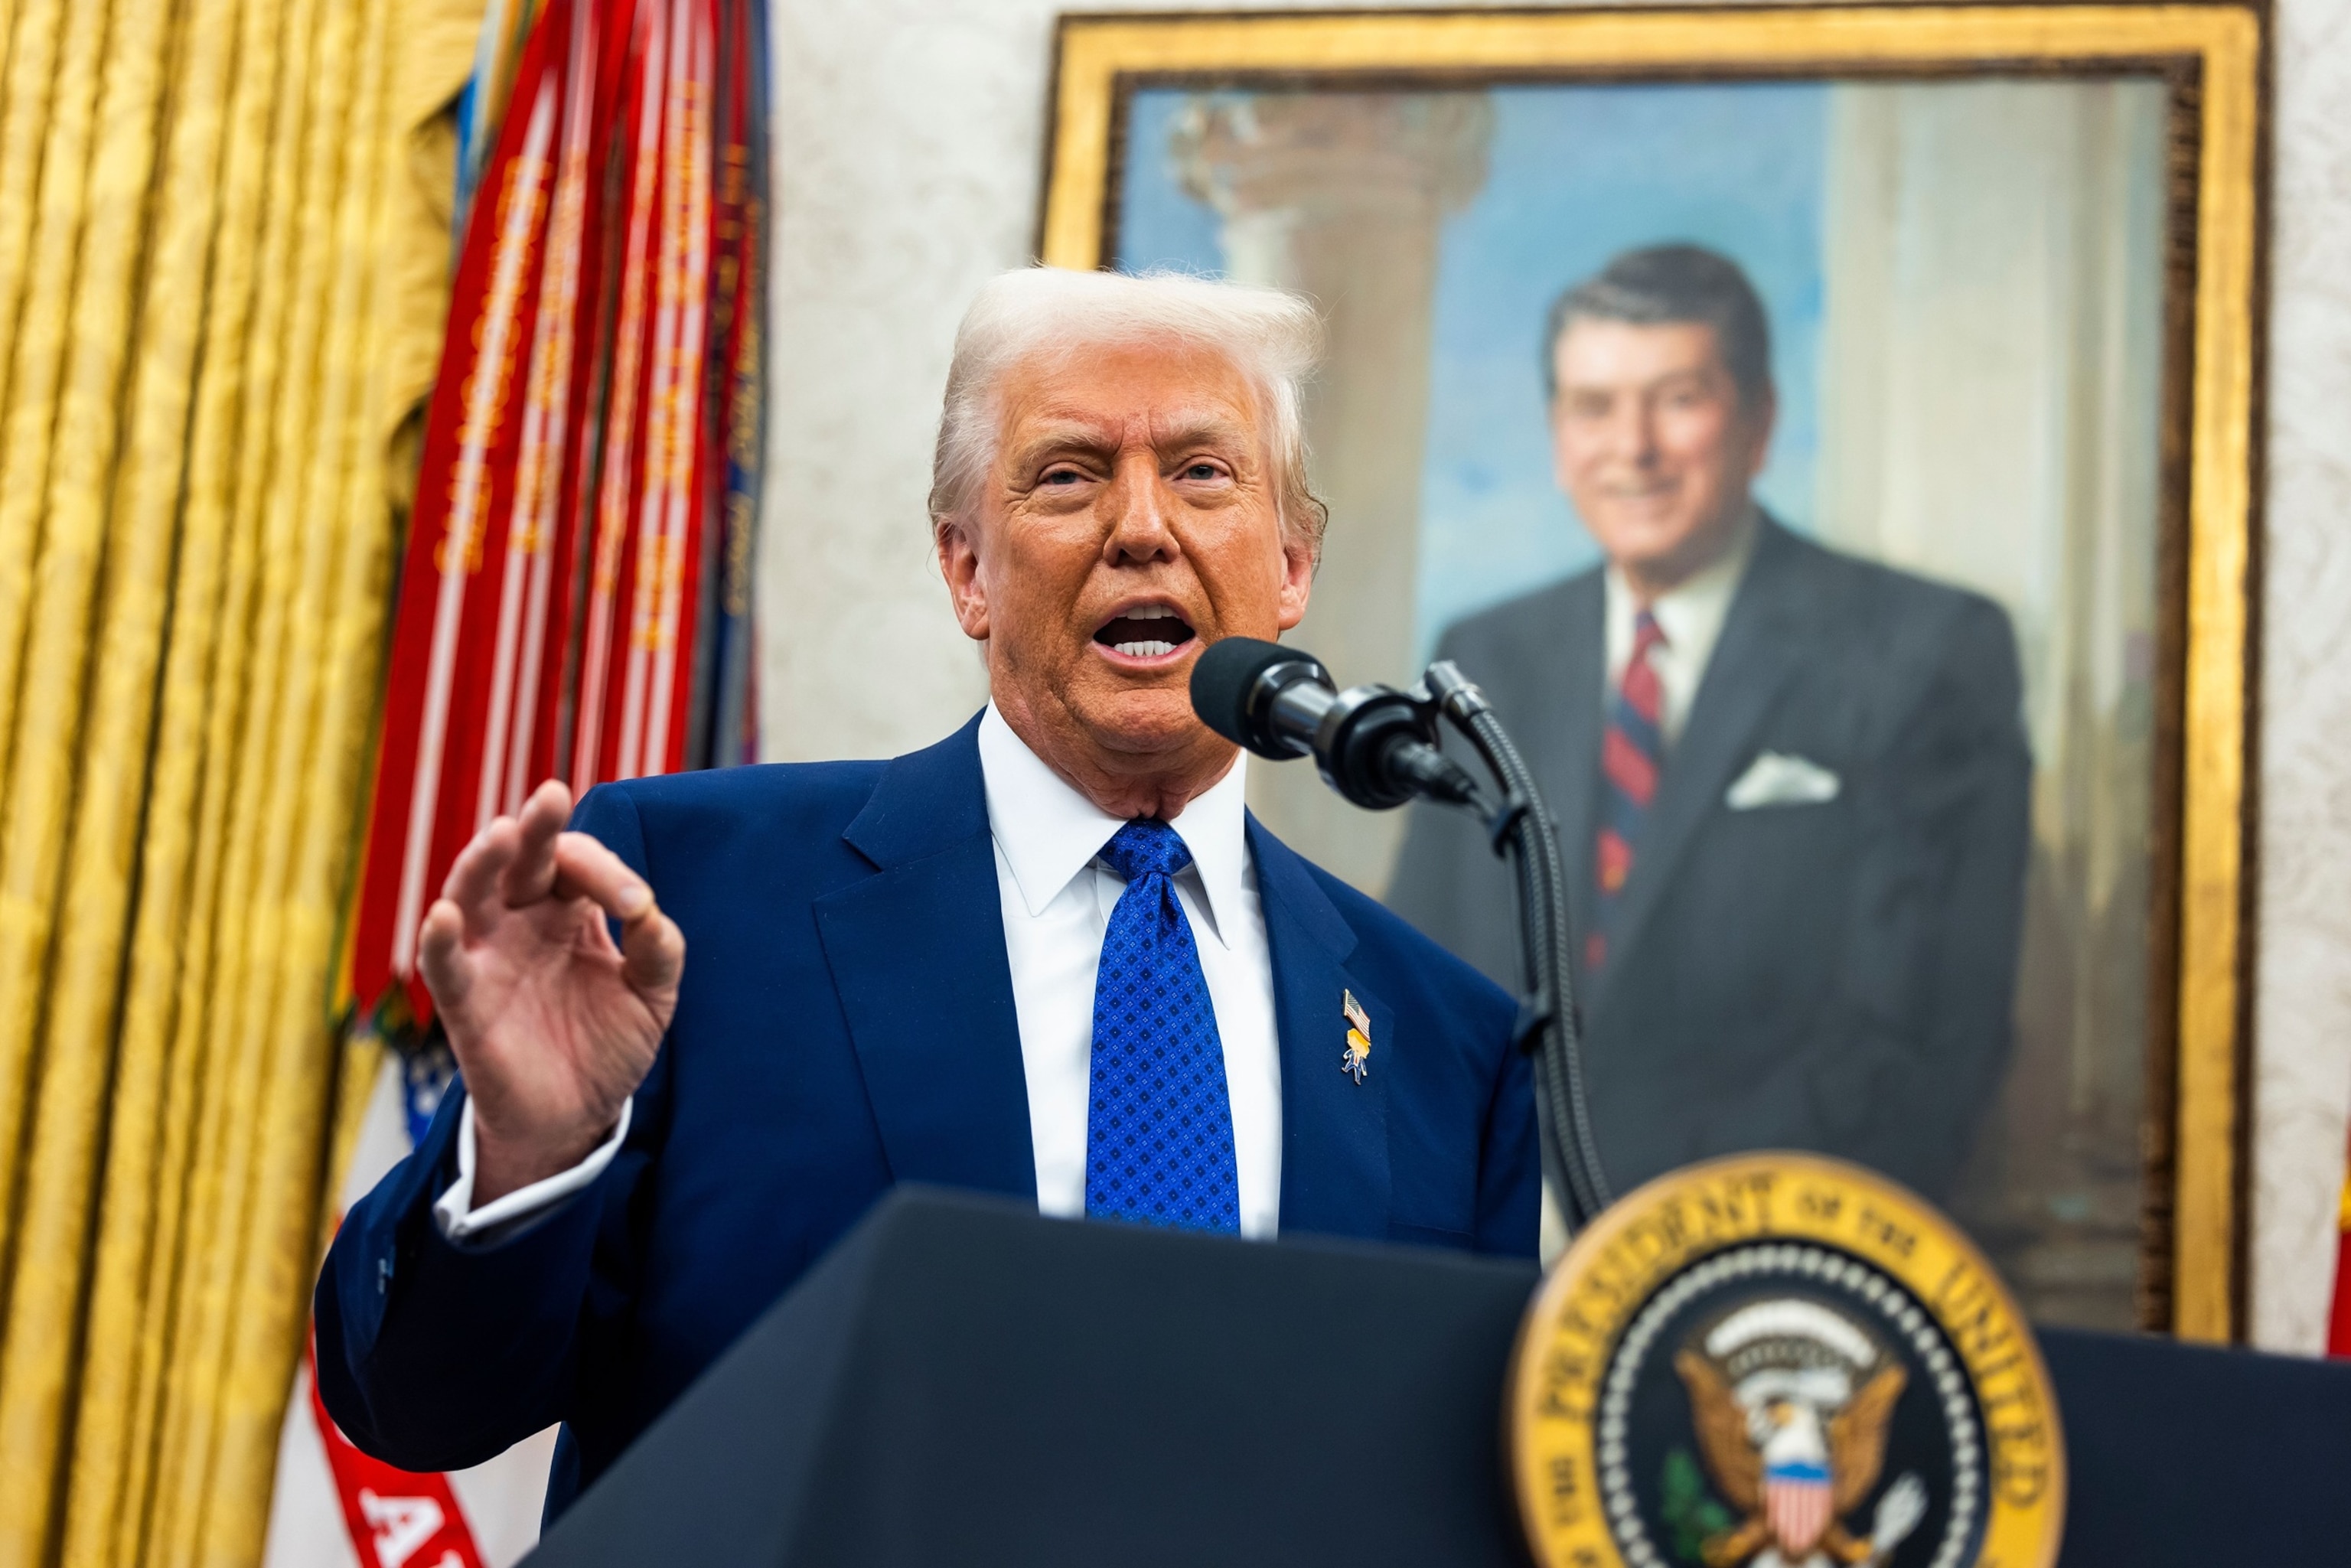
(1796, 1505)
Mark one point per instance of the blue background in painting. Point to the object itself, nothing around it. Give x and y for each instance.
(1578, 173)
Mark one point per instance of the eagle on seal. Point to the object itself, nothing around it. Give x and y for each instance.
(1793, 1450)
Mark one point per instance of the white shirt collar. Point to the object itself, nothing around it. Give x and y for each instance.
(1049, 832)
(1691, 613)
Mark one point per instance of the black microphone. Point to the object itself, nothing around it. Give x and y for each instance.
(1373, 744)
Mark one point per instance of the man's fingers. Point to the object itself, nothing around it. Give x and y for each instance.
(652, 953)
(530, 875)
(440, 954)
(586, 869)
(474, 878)
(652, 949)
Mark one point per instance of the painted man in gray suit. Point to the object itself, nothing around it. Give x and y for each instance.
(1792, 785)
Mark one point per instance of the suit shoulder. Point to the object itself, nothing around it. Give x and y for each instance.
(1909, 638)
(1530, 618)
(765, 786)
(1893, 595)
(803, 801)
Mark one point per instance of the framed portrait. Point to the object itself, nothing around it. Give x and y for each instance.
(1828, 434)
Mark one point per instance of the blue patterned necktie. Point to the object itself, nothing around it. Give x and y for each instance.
(1159, 1126)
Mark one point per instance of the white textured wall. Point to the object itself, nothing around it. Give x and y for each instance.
(910, 144)
(2302, 994)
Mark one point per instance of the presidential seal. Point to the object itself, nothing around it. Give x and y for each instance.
(1782, 1361)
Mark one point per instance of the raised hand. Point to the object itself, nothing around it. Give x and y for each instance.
(553, 1025)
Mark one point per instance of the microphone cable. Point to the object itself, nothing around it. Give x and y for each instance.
(1547, 1025)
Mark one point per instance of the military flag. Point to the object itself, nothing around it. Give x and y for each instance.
(574, 601)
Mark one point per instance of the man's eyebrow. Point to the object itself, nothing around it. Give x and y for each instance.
(1064, 435)
(1193, 429)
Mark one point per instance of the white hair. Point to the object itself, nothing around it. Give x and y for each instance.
(1273, 338)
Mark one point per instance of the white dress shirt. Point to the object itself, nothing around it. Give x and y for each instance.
(1690, 615)
(1057, 895)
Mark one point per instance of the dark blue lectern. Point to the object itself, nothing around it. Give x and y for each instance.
(962, 1383)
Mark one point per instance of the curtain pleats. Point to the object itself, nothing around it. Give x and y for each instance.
(223, 276)
(145, 590)
(45, 1291)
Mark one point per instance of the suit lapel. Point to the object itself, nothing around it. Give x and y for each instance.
(918, 961)
(1751, 661)
(1334, 1141)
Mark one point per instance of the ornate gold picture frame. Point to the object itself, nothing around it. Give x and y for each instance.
(2210, 63)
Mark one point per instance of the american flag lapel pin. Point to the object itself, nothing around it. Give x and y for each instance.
(1356, 1060)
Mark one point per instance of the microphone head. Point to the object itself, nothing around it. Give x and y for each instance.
(1232, 695)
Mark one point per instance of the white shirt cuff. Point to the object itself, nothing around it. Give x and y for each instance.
(459, 1220)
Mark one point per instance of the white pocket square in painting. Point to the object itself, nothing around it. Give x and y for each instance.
(1775, 778)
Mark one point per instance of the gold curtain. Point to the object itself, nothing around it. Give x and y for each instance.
(223, 257)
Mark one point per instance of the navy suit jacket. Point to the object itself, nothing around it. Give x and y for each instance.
(846, 1022)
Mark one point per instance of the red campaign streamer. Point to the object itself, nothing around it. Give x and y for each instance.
(433, 709)
(605, 57)
(608, 575)
(555, 614)
(396, 1519)
(516, 686)
(671, 506)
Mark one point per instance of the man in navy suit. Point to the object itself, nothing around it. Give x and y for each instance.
(1794, 785)
(1050, 956)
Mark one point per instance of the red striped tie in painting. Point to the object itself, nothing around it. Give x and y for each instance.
(574, 602)
(1632, 756)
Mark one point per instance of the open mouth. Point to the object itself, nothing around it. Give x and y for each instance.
(1145, 631)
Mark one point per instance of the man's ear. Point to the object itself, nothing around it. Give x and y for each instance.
(967, 583)
(1298, 563)
(1766, 415)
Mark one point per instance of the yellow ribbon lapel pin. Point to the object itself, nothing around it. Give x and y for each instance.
(1356, 1059)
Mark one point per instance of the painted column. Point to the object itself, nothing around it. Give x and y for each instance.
(1340, 197)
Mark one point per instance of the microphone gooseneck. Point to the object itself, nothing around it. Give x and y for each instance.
(1377, 747)
(1522, 826)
